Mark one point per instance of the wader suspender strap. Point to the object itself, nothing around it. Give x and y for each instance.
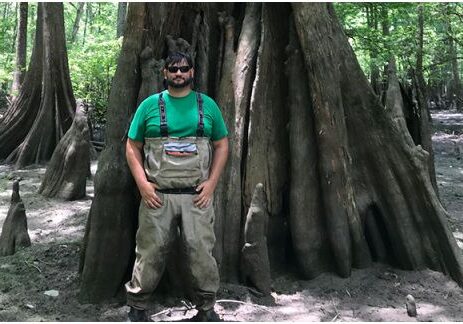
(200, 131)
(162, 110)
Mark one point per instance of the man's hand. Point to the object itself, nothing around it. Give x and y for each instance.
(147, 189)
(148, 195)
(206, 192)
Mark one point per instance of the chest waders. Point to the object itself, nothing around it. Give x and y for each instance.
(176, 166)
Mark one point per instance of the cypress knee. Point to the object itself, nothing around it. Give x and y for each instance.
(14, 231)
(67, 171)
(255, 262)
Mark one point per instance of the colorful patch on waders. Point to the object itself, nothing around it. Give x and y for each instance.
(180, 149)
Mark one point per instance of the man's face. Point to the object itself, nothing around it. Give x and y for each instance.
(179, 75)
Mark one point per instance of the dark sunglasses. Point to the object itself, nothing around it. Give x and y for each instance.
(174, 69)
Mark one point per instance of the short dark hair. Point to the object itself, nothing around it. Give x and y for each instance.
(177, 57)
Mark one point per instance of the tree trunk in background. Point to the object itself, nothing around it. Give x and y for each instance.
(422, 95)
(75, 28)
(343, 185)
(372, 23)
(455, 86)
(43, 111)
(21, 49)
(87, 13)
(385, 25)
(15, 30)
(121, 17)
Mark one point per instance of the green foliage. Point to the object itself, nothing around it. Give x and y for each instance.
(93, 54)
(7, 39)
(363, 23)
(92, 69)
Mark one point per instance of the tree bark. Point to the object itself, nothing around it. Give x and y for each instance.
(21, 49)
(110, 232)
(66, 175)
(44, 109)
(14, 230)
(266, 157)
(76, 25)
(305, 213)
(255, 265)
(234, 98)
(121, 18)
(384, 167)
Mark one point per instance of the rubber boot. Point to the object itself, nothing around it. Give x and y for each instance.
(206, 316)
(138, 315)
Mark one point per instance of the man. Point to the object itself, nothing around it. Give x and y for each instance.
(176, 170)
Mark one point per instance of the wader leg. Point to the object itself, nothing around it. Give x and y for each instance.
(155, 233)
(199, 238)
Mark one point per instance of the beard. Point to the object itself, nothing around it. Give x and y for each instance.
(177, 85)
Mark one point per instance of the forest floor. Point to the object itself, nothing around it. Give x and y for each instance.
(40, 283)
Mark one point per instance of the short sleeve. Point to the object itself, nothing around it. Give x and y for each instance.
(137, 127)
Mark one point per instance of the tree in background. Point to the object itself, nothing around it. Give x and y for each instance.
(44, 108)
(441, 50)
(344, 187)
(76, 25)
(455, 87)
(121, 16)
(21, 49)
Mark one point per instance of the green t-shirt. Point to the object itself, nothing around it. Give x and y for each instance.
(182, 118)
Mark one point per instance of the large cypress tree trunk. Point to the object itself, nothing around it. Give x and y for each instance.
(109, 236)
(44, 108)
(384, 169)
(343, 185)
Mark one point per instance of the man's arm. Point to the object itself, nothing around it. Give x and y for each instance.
(133, 153)
(218, 164)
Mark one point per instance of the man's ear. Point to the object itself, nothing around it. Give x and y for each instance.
(164, 72)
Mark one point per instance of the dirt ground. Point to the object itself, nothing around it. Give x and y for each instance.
(56, 229)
